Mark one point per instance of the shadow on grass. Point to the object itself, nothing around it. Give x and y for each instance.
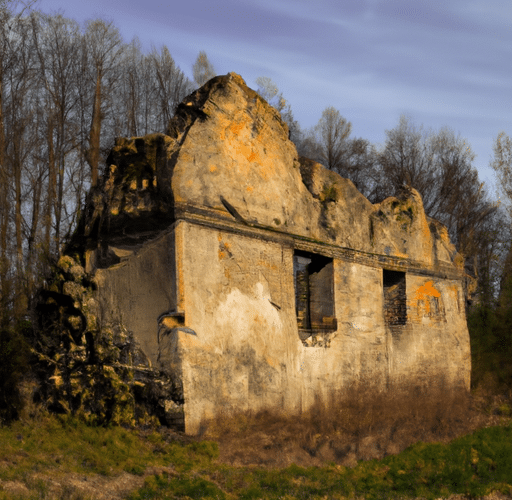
(361, 424)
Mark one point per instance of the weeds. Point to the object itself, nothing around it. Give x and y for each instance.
(472, 466)
(161, 486)
(317, 455)
(363, 423)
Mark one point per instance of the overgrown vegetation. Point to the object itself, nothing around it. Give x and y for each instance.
(490, 327)
(14, 357)
(48, 457)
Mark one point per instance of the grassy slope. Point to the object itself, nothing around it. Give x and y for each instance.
(49, 457)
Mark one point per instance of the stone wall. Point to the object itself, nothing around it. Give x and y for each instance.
(242, 347)
(255, 279)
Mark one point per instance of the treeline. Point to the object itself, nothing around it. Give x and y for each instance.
(67, 90)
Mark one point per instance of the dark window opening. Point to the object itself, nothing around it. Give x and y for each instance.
(314, 293)
(395, 303)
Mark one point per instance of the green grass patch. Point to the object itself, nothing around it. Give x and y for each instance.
(472, 465)
(162, 486)
(68, 445)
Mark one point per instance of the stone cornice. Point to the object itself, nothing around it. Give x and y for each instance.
(221, 220)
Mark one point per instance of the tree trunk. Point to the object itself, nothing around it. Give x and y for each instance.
(18, 302)
(4, 218)
(51, 188)
(94, 141)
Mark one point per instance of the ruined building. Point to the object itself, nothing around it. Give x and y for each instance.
(257, 279)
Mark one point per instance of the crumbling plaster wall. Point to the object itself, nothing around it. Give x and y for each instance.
(243, 350)
(240, 348)
(141, 287)
(434, 345)
(238, 298)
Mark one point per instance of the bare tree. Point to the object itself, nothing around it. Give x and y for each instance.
(332, 132)
(404, 158)
(20, 115)
(270, 92)
(309, 146)
(7, 60)
(63, 96)
(130, 96)
(202, 69)
(439, 165)
(57, 42)
(13, 5)
(104, 44)
(171, 85)
(361, 167)
(502, 165)
(17, 141)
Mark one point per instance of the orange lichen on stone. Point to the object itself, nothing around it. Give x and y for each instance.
(427, 290)
(236, 128)
(423, 294)
(248, 153)
(252, 156)
(223, 248)
(400, 255)
(454, 290)
(272, 362)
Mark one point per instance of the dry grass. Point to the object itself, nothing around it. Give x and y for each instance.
(48, 457)
(362, 424)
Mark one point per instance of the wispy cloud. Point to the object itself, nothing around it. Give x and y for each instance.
(444, 63)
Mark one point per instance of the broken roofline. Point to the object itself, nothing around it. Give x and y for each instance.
(228, 158)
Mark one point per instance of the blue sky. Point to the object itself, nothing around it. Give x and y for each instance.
(441, 63)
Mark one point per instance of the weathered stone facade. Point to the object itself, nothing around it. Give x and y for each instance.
(257, 279)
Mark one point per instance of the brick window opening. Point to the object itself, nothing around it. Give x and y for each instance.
(395, 305)
(314, 294)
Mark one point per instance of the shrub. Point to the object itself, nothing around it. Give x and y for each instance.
(491, 347)
(13, 367)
